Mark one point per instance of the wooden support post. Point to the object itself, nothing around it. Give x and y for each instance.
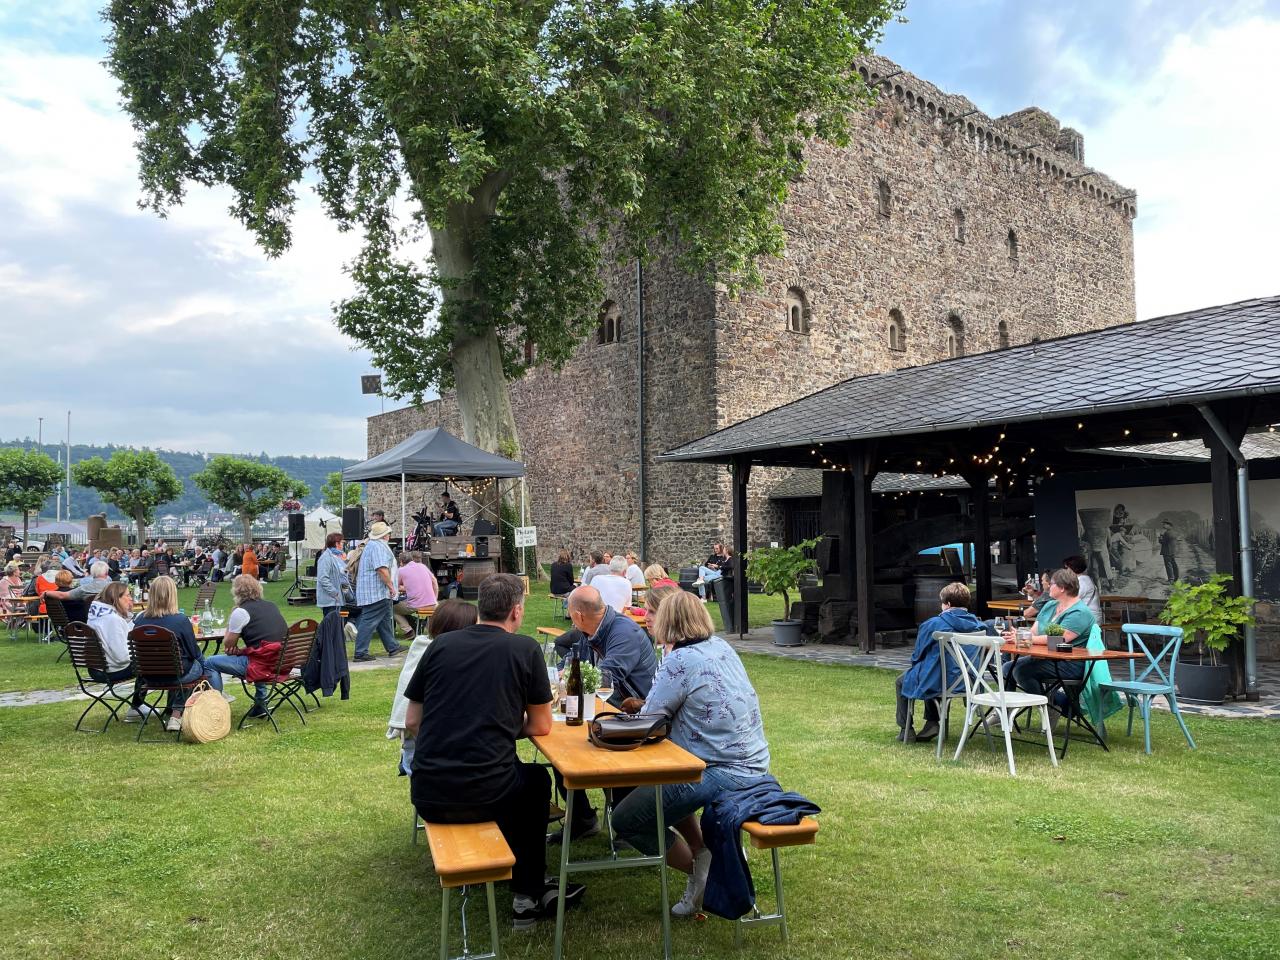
(982, 540)
(1226, 524)
(864, 548)
(741, 474)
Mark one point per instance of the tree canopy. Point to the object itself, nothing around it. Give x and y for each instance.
(135, 481)
(247, 488)
(27, 479)
(529, 139)
(335, 494)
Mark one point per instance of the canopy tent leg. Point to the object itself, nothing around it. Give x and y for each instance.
(404, 515)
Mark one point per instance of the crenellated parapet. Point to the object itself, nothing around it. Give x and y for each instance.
(1030, 139)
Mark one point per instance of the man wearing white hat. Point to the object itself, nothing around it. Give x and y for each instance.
(376, 590)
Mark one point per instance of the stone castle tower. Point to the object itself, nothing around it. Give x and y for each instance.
(938, 231)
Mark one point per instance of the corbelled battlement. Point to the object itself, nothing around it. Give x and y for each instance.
(1031, 138)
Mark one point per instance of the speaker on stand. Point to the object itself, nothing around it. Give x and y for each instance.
(353, 523)
(297, 527)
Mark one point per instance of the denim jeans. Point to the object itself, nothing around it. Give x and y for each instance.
(178, 698)
(236, 666)
(635, 818)
(376, 616)
(708, 576)
(1032, 675)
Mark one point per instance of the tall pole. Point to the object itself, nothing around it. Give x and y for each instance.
(69, 468)
(640, 410)
(40, 447)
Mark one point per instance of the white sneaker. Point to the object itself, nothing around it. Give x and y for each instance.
(228, 697)
(135, 716)
(174, 724)
(691, 902)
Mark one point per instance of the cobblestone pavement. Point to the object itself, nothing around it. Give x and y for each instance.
(897, 658)
(761, 641)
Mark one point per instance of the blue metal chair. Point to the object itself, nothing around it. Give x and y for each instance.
(1155, 680)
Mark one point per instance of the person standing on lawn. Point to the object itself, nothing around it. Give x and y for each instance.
(477, 691)
(376, 591)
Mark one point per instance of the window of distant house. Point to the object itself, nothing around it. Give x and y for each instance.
(610, 330)
(897, 330)
(1011, 242)
(1002, 330)
(884, 198)
(797, 311)
(955, 336)
(957, 216)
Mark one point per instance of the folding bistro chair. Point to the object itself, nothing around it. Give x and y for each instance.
(985, 692)
(157, 665)
(58, 621)
(950, 691)
(86, 656)
(285, 687)
(207, 593)
(1155, 680)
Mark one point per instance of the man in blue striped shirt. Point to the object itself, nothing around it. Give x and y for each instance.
(376, 590)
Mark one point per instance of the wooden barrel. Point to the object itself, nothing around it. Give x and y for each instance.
(927, 604)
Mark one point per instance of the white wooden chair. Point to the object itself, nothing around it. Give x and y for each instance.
(985, 695)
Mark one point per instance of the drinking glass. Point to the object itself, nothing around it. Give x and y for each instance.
(1024, 637)
(1001, 625)
(605, 690)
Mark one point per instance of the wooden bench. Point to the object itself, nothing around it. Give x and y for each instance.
(466, 854)
(551, 632)
(422, 615)
(774, 838)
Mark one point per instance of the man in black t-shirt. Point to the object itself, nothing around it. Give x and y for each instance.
(475, 692)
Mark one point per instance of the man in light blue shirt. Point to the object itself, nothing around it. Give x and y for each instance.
(376, 590)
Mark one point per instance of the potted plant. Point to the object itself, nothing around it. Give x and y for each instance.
(1210, 618)
(590, 684)
(778, 570)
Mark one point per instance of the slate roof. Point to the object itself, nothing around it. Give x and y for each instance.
(1212, 353)
(808, 483)
(1254, 446)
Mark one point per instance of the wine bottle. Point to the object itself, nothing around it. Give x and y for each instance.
(573, 691)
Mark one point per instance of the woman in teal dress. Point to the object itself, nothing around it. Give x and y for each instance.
(1065, 609)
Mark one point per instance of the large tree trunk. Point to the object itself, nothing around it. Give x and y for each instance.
(248, 528)
(140, 518)
(26, 523)
(484, 399)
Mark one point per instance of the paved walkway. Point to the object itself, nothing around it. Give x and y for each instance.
(760, 641)
(897, 658)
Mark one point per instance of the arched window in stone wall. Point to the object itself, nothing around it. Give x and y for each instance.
(957, 219)
(955, 335)
(1002, 331)
(1011, 243)
(610, 329)
(884, 197)
(797, 311)
(897, 330)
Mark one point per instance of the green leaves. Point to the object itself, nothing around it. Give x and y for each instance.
(335, 494)
(247, 487)
(1206, 613)
(525, 135)
(136, 481)
(778, 569)
(27, 479)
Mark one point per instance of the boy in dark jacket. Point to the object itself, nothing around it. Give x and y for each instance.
(923, 679)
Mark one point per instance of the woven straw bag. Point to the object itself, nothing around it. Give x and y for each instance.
(207, 716)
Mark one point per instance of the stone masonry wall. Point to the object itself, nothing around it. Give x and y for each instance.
(711, 361)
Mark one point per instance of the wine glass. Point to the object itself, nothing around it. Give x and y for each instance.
(605, 690)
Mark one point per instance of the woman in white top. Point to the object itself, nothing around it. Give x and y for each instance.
(111, 618)
(634, 574)
(1088, 589)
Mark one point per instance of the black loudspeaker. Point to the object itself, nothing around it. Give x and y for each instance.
(482, 546)
(353, 523)
(297, 527)
(829, 554)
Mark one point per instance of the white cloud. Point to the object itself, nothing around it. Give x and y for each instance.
(1193, 136)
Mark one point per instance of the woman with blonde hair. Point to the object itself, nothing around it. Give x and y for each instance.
(655, 574)
(162, 611)
(715, 715)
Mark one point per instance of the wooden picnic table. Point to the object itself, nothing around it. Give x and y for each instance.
(1008, 605)
(585, 766)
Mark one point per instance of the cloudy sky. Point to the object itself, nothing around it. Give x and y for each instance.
(178, 332)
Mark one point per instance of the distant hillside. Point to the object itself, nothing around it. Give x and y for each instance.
(311, 470)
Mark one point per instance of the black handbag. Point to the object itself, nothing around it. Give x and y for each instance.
(626, 731)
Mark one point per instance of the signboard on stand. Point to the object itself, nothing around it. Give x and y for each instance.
(526, 537)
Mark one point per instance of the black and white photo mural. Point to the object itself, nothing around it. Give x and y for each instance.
(1139, 540)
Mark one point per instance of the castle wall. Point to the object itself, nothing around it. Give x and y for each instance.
(712, 360)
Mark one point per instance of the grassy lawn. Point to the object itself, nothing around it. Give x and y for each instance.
(28, 665)
(297, 845)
